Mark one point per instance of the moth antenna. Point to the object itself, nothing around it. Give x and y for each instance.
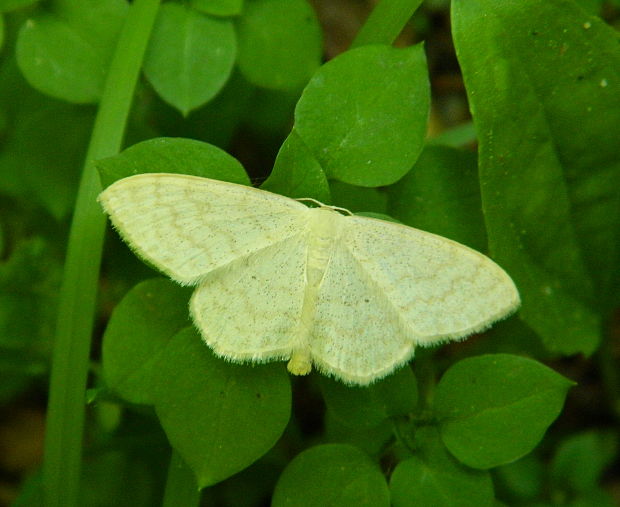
(321, 205)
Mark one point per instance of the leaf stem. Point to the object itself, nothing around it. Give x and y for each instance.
(181, 486)
(425, 372)
(385, 22)
(65, 416)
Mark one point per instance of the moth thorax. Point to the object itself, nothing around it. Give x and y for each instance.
(323, 234)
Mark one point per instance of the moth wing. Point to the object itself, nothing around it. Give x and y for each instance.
(250, 310)
(187, 226)
(390, 287)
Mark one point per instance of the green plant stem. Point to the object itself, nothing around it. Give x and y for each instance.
(181, 486)
(385, 22)
(65, 416)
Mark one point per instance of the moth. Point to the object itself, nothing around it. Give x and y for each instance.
(275, 279)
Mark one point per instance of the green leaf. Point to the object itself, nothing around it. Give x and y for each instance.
(331, 475)
(218, 7)
(51, 142)
(279, 43)
(181, 486)
(190, 56)
(372, 440)
(378, 216)
(296, 173)
(253, 486)
(523, 480)
(16, 95)
(220, 417)
(510, 336)
(548, 154)
(580, 460)
(594, 498)
(358, 199)
(385, 22)
(441, 195)
(9, 5)
(365, 407)
(363, 114)
(29, 284)
(173, 155)
(145, 320)
(434, 478)
(591, 6)
(66, 53)
(495, 408)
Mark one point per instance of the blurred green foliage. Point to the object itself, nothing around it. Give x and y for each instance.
(232, 89)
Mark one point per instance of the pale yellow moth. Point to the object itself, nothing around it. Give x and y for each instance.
(276, 279)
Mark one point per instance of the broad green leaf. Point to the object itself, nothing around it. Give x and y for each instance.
(296, 173)
(372, 440)
(66, 53)
(594, 498)
(580, 460)
(365, 407)
(441, 195)
(141, 325)
(378, 216)
(51, 143)
(591, 6)
(218, 7)
(1, 31)
(433, 477)
(219, 416)
(279, 43)
(108, 414)
(521, 481)
(252, 486)
(363, 114)
(332, 475)
(358, 199)
(16, 95)
(172, 155)
(510, 336)
(9, 5)
(29, 284)
(385, 22)
(190, 56)
(495, 408)
(548, 154)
